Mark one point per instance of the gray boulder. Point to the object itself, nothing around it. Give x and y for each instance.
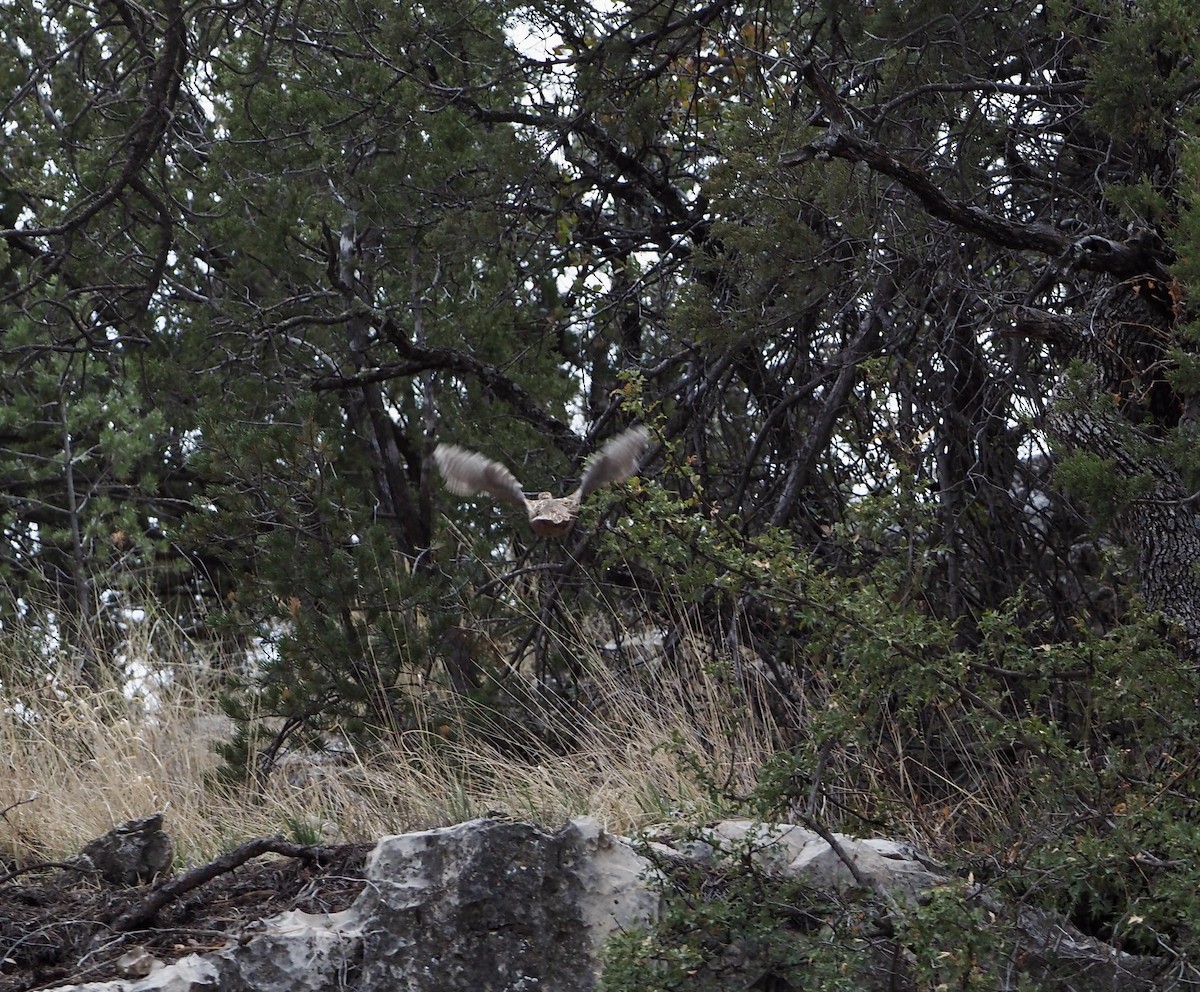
(485, 906)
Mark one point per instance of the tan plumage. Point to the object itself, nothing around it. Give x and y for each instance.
(468, 473)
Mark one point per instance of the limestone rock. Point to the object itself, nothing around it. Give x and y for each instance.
(485, 906)
(492, 906)
(137, 962)
(892, 868)
(499, 899)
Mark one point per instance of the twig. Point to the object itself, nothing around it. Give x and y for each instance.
(20, 802)
(826, 835)
(38, 866)
(144, 911)
(814, 793)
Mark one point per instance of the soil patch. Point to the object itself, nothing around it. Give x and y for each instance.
(58, 930)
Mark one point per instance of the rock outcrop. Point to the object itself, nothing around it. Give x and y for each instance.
(495, 906)
(485, 905)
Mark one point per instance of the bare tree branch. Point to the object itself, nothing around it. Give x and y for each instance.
(144, 912)
(1100, 254)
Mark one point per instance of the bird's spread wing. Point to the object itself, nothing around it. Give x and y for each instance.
(615, 462)
(468, 473)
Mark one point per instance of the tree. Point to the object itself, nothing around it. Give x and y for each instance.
(841, 257)
(903, 290)
(88, 226)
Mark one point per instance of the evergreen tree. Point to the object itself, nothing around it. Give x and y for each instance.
(871, 272)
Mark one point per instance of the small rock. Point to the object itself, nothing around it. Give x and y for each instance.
(137, 962)
(132, 853)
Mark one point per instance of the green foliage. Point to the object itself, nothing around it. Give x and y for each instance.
(1069, 768)
(256, 266)
(1185, 235)
(728, 922)
(341, 629)
(1095, 481)
(1139, 62)
(301, 831)
(951, 940)
(1060, 775)
(1058, 769)
(1139, 202)
(1102, 480)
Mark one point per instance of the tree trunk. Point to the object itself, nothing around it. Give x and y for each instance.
(1159, 525)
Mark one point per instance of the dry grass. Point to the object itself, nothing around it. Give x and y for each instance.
(76, 761)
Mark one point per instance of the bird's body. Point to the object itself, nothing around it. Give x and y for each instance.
(468, 473)
(551, 517)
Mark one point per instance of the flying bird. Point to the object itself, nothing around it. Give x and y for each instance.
(468, 473)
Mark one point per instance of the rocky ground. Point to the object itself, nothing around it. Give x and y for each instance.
(58, 927)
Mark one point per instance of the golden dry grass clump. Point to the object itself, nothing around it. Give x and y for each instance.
(78, 760)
